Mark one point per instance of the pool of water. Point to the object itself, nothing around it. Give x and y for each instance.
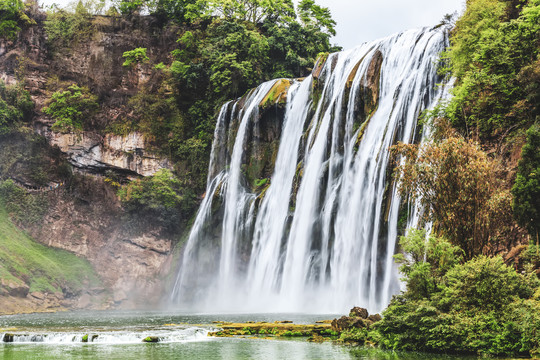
(119, 335)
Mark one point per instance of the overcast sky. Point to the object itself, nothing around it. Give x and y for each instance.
(359, 21)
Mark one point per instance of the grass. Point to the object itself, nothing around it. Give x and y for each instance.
(43, 268)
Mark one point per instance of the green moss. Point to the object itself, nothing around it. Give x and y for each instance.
(44, 268)
(151, 339)
(85, 338)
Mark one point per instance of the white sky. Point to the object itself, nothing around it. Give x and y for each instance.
(359, 21)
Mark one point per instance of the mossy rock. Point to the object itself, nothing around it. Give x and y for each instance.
(277, 94)
(8, 338)
(85, 338)
(151, 339)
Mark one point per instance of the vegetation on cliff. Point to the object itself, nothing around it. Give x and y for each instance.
(27, 266)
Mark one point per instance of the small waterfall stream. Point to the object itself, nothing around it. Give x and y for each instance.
(317, 236)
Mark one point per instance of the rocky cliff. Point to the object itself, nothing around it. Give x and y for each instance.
(83, 214)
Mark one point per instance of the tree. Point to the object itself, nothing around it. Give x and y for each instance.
(424, 261)
(526, 189)
(316, 16)
(254, 11)
(494, 57)
(458, 185)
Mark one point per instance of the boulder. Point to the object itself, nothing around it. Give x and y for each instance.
(359, 312)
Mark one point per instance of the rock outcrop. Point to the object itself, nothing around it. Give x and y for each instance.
(95, 153)
(358, 318)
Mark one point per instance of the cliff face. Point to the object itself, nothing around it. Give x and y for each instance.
(85, 216)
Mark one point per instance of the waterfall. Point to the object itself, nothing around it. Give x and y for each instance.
(300, 212)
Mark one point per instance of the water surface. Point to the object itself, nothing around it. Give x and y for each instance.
(182, 336)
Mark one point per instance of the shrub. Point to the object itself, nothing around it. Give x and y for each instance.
(71, 107)
(66, 29)
(134, 57)
(480, 306)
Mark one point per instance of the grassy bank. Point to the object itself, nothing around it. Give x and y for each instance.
(45, 269)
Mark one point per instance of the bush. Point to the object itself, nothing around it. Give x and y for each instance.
(71, 107)
(134, 57)
(480, 306)
(12, 16)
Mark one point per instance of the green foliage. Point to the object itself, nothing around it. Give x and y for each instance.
(128, 7)
(15, 106)
(354, 335)
(71, 107)
(426, 261)
(161, 198)
(165, 10)
(494, 56)
(485, 284)
(134, 57)
(66, 29)
(12, 16)
(526, 189)
(315, 16)
(43, 268)
(480, 306)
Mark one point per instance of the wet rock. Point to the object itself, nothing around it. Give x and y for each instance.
(8, 338)
(341, 324)
(151, 339)
(359, 312)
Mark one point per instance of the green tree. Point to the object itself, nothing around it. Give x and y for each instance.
(494, 57)
(424, 261)
(315, 16)
(526, 189)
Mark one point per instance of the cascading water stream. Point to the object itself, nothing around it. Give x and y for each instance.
(319, 237)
